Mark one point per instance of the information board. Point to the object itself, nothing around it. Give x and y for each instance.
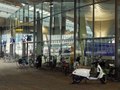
(103, 49)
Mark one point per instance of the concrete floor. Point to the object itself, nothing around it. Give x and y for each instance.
(14, 78)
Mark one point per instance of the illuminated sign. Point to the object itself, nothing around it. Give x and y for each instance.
(103, 49)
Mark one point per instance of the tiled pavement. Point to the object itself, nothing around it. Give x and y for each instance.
(14, 78)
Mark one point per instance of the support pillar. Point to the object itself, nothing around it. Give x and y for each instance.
(56, 29)
(0, 42)
(24, 53)
(117, 36)
(39, 35)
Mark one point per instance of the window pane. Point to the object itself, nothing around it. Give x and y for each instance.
(105, 19)
(100, 0)
(84, 2)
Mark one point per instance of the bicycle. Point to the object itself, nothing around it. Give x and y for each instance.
(22, 62)
(31, 63)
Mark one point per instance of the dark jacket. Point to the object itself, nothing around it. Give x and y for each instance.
(38, 61)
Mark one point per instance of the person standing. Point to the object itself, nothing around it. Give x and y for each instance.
(78, 59)
(39, 61)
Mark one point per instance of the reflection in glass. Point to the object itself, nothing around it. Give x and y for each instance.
(84, 2)
(104, 19)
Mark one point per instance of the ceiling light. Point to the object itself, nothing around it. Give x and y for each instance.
(31, 8)
(23, 4)
(51, 5)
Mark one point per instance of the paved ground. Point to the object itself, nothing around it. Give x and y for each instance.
(14, 78)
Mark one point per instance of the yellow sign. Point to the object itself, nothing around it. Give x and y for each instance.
(19, 30)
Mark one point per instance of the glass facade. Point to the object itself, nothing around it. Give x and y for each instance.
(68, 29)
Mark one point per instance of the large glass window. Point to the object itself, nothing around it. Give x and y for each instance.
(26, 14)
(46, 35)
(84, 34)
(67, 5)
(21, 15)
(56, 7)
(31, 13)
(46, 9)
(84, 2)
(104, 30)
(100, 0)
(98, 39)
(104, 19)
(94, 32)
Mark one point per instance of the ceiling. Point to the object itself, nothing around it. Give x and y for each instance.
(7, 7)
(6, 10)
(18, 2)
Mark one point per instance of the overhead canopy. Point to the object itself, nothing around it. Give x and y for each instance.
(6, 10)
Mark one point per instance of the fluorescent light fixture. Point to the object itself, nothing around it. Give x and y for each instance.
(31, 8)
(23, 4)
(51, 5)
(37, 9)
(45, 12)
(21, 21)
(16, 18)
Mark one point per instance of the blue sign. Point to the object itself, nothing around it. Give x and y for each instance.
(103, 49)
(4, 43)
(29, 37)
(12, 40)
